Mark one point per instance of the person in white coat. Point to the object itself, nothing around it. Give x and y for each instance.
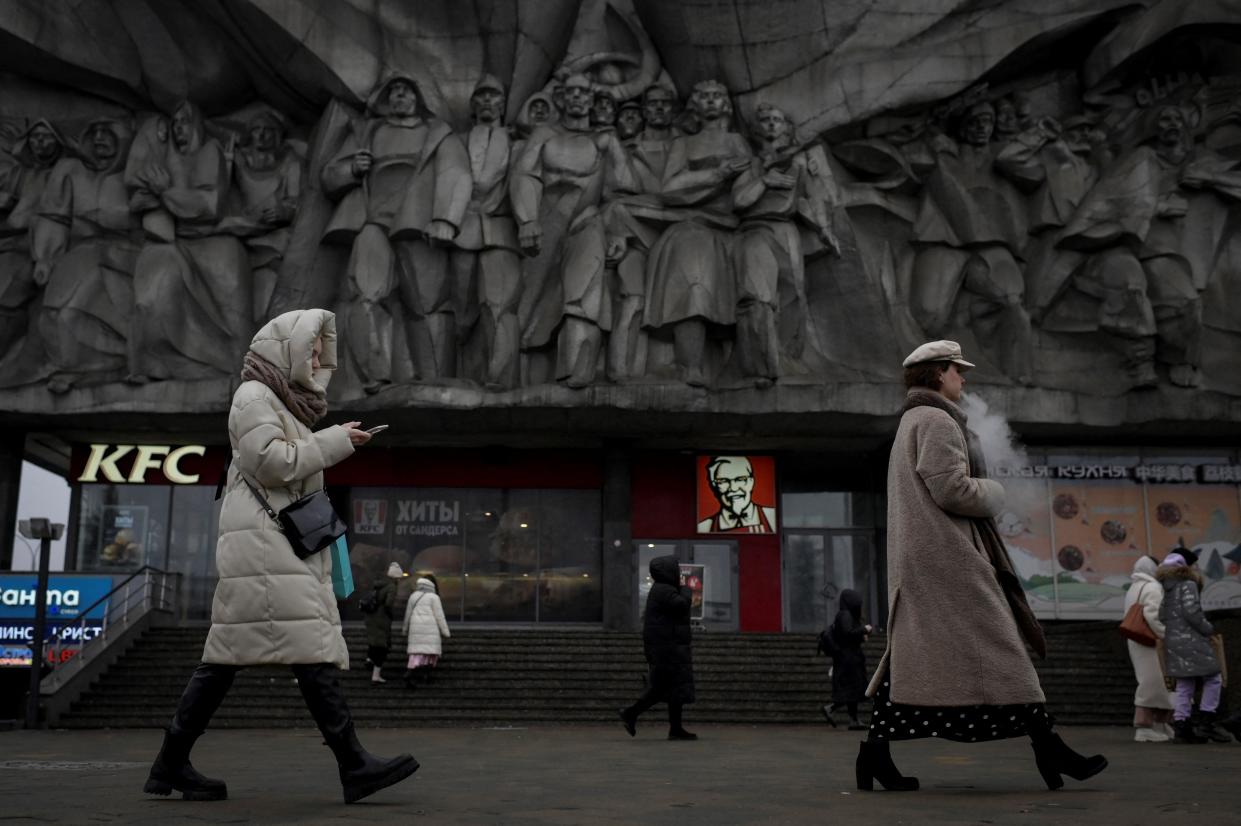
(1152, 703)
(424, 627)
(270, 607)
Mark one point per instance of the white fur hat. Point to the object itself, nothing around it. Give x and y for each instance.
(395, 571)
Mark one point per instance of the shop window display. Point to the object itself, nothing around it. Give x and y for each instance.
(499, 555)
(122, 527)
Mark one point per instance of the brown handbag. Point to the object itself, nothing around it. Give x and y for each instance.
(1134, 626)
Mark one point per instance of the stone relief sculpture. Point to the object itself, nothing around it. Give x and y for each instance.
(559, 184)
(969, 231)
(786, 183)
(1139, 226)
(605, 225)
(485, 259)
(690, 275)
(85, 243)
(267, 176)
(402, 183)
(23, 177)
(193, 293)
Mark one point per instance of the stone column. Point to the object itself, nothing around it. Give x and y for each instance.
(12, 449)
(618, 573)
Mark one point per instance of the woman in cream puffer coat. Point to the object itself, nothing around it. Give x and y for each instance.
(271, 607)
(424, 626)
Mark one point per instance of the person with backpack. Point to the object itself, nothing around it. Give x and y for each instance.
(379, 607)
(843, 639)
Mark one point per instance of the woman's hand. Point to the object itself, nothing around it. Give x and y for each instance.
(356, 436)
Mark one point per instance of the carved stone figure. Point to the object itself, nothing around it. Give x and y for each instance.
(690, 281)
(85, 245)
(784, 182)
(629, 122)
(969, 229)
(485, 262)
(267, 174)
(538, 110)
(193, 296)
(1143, 227)
(402, 180)
(603, 110)
(22, 180)
(650, 155)
(561, 180)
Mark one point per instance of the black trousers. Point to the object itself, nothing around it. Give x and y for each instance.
(648, 699)
(210, 684)
(377, 654)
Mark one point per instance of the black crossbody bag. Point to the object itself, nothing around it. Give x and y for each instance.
(310, 524)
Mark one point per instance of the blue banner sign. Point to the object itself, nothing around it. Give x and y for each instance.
(67, 596)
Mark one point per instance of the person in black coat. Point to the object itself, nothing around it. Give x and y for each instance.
(667, 641)
(849, 681)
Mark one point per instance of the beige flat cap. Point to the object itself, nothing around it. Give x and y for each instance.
(942, 350)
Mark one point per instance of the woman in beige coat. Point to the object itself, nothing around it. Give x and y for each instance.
(1152, 703)
(270, 607)
(956, 665)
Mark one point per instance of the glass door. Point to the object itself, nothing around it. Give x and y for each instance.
(818, 565)
(710, 568)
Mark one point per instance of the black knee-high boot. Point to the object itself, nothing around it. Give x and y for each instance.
(361, 773)
(874, 762)
(172, 769)
(1054, 758)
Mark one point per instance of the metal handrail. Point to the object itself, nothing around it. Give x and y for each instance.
(145, 590)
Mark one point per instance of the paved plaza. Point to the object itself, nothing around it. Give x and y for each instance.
(593, 774)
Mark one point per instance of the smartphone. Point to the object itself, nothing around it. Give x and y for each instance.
(379, 428)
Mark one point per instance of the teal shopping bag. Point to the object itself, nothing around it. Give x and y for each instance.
(342, 572)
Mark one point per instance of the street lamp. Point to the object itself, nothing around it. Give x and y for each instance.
(45, 531)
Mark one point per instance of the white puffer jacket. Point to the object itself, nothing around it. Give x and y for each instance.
(424, 620)
(271, 607)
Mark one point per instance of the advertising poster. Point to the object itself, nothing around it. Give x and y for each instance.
(67, 598)
(122, 535)
(370, 517)
(1206, 518)
(693, 577)
(1026, 529)
(736, 494)
(1098, 532)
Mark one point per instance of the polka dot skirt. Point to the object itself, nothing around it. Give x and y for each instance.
(966, 724)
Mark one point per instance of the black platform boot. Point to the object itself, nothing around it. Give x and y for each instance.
(1207, 729)
(874, 762)
(1054, 758)
(1232, 725)
(361, 773)
(172, 770)
(1184, 734)
(204, 692)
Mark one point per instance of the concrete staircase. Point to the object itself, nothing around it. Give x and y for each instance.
(520, 677)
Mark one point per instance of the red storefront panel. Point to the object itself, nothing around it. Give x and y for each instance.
(664, 506)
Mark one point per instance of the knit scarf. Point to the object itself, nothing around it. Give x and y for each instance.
(306, 405)
(992, 542)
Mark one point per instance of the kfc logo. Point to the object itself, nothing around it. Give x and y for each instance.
(370, 517)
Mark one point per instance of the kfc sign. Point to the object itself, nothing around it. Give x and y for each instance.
(108, 463)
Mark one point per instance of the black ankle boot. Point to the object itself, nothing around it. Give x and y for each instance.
(874, 762)
(681, 734)
(1232, 725)
(1184, 734)
(1054, 758)
(172, 770)
(362, 773)
(630, 721)
(1207, 729)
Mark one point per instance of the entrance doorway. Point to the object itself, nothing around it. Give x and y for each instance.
(718, 561)
(818, 565)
